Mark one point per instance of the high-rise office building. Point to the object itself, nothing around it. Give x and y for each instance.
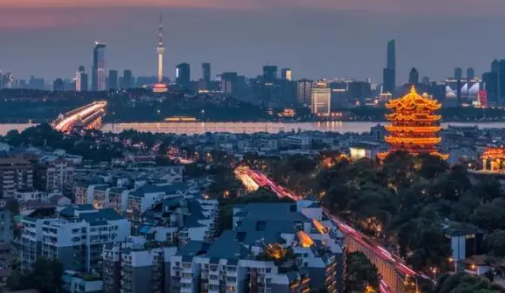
(98, 82)
(414, 76)
(228, 82)
(321, 99)
(127, 79)
(112, 80)
(470, 73)
(206, 73)
(458, 73)
(286, 74)
(58, 85)
(425, 80)
(269, 73)
(79, 82)
(494, 82)
(389, 73)
(303, 91)
(183, 75)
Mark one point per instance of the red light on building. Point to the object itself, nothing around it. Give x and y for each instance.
(483, 99)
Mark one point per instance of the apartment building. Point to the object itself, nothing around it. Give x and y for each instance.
(75, 236)
(148, 196)
(76, 282)
(15, 173)
(55, 176)
(274, 248)
(137, 266)
(180, 219)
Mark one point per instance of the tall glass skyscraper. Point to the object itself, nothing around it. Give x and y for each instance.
(389, 73)
(98, 82)
(183, 75)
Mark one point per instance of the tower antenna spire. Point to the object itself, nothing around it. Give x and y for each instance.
(160, 33)
(160, 50)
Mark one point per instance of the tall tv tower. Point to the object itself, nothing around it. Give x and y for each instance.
(161, 51)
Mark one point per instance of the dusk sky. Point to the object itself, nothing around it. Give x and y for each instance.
(316, 38)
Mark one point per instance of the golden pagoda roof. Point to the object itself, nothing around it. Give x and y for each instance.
(413, 117)
(493, 153)
(413, 101)
(412, 140)
(416, 129)
(383, 155)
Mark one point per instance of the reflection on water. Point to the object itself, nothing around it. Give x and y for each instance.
(240, 127)
(4, 128)
(245, 127)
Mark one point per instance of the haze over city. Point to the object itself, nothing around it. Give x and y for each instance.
(316, 38)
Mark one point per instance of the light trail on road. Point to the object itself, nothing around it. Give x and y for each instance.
(67, 123)
(245, 174)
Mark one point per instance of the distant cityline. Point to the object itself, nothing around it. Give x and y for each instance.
(275, 88)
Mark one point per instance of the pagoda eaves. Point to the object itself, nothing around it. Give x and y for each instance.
(414, 126)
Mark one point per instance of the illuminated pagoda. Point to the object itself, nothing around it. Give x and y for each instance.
(414, 126)
(493, 159)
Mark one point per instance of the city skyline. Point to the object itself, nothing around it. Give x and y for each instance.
(350, 42)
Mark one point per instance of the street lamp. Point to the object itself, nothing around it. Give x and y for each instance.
(434, 270)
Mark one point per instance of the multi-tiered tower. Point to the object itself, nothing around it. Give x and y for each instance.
(414, 126)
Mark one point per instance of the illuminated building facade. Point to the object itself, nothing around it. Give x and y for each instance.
(286, 74)
(98, 82)
(414, 125)
(493, 159)
(321, 99)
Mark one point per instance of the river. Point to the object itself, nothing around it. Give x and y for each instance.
(246, 127)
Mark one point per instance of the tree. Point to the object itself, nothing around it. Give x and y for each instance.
(360, 274)
(495, 243)
(429, 166)
(490, 216)
(465, 283)
(422, 242)
(45, 277)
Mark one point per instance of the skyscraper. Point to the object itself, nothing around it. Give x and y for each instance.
(58, 85)
(286, 74)
(389, 73)
(228, 82)
(414, 76)
(161, 50)
(112, 80)
(127, 79)
(470, 73)
(391, 55)
(183, 75)
(269, 73)
(458, 73)
(98, 82)
(78, 79)
(303, 91)
(321, 99)
(206, 73)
